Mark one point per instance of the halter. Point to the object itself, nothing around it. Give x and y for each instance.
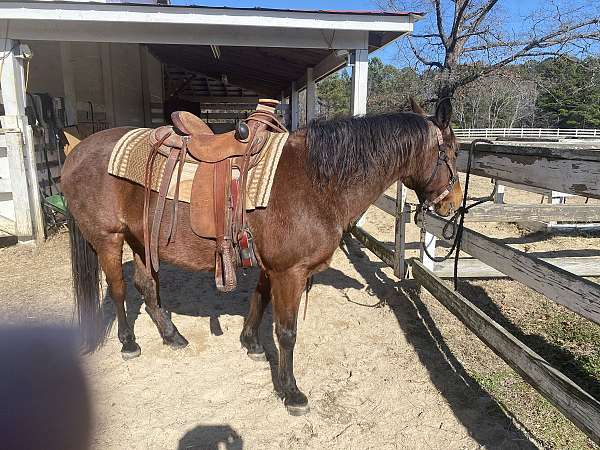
(442, 159)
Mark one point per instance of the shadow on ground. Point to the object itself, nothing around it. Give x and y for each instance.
(461, 391)
(194, 294)
(211, 437)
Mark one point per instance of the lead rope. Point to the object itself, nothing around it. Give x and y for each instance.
(459, 215)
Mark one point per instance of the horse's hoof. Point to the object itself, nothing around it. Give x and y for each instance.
(176, 341)
(296, 410)
(297, 404)
(257, 356)
(130, 350)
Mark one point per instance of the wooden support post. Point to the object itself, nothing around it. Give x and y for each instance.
(294, 107)
(146, 92)
(68, 84)
(400, 230)
(360, 72)
(107, 81)
(29, 221)
(311, 96)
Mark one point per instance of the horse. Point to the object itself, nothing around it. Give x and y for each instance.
(328, 175)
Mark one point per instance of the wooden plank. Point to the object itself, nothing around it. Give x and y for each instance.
(575, 172)
(7, 225)
(534, 213)
(5, 185)
(578, 294)
(576, 404)
(386, 204)
(582, 266)
(19, 188)
(577, 151)
(381, 250)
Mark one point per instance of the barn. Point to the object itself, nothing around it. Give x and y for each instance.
(87, 66)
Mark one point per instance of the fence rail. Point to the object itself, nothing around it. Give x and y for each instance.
(573, 168)
(538, 133)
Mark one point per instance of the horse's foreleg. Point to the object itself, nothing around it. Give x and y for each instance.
(258, 302)
(110, 253)
(286, 290)
(147, 285)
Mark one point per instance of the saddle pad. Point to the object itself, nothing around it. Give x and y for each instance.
(129, 156)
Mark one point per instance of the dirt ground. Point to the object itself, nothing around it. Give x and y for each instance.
(383, 365)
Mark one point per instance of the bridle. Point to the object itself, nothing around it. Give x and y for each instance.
(441, 160)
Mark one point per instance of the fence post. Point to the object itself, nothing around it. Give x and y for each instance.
(428, 241)
(400, 230)
(498, 192)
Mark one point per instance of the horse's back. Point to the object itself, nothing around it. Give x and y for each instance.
(93, 196)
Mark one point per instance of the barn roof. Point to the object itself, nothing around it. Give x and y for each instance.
(261, 49)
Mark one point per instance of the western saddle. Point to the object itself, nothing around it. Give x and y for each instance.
(217, 203)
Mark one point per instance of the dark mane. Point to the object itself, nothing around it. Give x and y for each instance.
(353, 149)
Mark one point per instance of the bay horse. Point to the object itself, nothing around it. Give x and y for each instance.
(328, 175)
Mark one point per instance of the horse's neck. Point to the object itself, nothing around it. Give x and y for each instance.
(358, 197)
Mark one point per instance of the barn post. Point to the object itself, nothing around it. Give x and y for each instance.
(29, 221)
(360, 72)
(107, 81)
(294, 107)
(311, 96)
(68, 84)
(145, 79)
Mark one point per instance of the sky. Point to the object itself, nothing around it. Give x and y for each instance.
(518, 8)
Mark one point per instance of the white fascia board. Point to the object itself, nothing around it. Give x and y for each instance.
(115, 13)
(182, 34)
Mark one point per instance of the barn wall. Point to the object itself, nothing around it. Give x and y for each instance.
(45, 76)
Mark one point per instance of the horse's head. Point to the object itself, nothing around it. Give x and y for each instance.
(439, 186)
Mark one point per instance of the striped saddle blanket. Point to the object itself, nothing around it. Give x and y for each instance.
(129, 156)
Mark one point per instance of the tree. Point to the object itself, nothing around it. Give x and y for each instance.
(464, 40)
(570, 92)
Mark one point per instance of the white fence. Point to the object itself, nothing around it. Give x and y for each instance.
(534, 133)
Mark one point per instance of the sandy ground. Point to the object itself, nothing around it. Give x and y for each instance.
(370, 357)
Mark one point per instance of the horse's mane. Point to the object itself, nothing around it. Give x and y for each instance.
(354, 149)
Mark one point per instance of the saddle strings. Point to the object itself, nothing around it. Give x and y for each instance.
(147, 192)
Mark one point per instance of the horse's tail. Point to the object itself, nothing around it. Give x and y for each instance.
(86, 287)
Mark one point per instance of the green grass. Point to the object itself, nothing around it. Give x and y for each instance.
(570, 343)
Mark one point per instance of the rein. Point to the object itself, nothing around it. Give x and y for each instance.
(459, 215)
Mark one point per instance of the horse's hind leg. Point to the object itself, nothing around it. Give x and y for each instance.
(258, 302)
(147, 285)
(110, 254)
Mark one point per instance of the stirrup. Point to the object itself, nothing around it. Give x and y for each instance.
(225, 278)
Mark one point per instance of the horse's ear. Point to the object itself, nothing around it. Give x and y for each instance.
(416, 108)
(443, 113)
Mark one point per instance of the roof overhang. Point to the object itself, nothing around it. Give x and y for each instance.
(315, 35)
(68, 21)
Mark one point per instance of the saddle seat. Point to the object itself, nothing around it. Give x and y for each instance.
(217, 201)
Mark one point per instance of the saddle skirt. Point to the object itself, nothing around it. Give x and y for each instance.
(130, 153)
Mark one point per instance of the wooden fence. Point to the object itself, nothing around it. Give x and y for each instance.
(571, 170)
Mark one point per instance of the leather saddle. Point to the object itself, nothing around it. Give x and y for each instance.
(217, 203)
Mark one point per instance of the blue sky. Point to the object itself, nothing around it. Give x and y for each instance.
(516, 8)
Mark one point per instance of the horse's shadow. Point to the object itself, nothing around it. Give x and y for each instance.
(194, 294)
